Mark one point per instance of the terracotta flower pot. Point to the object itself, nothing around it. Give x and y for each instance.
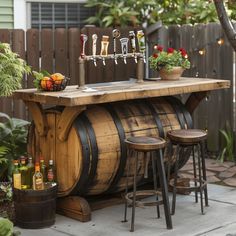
(174, 74)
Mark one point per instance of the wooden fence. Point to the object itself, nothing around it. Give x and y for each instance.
(58, 51)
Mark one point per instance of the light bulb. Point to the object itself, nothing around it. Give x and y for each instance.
(220, 41)
(202, 51)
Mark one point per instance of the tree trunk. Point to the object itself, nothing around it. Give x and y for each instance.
(226, 23)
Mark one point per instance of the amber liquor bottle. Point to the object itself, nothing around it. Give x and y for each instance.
(38, 183)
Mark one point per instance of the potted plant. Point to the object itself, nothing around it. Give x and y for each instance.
(12, 69)
(170, 63)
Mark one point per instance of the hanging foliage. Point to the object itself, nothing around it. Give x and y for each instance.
(12, 69)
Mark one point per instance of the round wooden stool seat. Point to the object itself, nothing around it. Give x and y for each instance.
(143, 143)
(187, 136)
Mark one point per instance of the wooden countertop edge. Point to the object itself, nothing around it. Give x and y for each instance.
(119, 95)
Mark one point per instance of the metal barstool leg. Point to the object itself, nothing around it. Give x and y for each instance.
(200, 179)
(202, 144)
(127, 185)
(169, 163)
(175, 180)
(134, 193)
(195, 175)
(155, 182)
(165, 197)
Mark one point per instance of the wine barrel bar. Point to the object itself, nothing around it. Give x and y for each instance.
(93, 160)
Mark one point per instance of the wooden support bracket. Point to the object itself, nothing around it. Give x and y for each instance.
(194, 100)
(39, 117)
(67, 118)
(74, 207)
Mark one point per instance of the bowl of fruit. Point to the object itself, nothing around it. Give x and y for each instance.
(50, 82)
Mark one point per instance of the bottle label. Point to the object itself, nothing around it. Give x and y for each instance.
(50, 175)
(17, 180)
(38, 184)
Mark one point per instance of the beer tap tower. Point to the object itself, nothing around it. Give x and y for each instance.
(139, 57)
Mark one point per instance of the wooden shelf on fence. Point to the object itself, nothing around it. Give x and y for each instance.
(120, 91)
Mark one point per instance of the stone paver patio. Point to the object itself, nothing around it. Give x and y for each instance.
(217, 172)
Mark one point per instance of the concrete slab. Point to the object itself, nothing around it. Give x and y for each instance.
(188, 221)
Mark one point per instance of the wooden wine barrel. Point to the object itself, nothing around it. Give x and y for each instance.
(93, 160)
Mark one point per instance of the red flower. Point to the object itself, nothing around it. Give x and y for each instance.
(158, 48)
(155, 55)
(170, 50)
(183, 52)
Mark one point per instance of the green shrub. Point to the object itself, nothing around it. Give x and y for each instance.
(13, 139)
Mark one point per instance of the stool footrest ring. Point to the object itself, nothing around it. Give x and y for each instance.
(190, 188)
(144, 193)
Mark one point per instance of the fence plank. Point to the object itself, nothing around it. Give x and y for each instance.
(213, 71)
(174, 36)
(74, 51)
(33, 54)
(47, 50)
(61, 51)
(6, 103)
(198, 69)
(18, 46)
(186, 42)
(226, 72)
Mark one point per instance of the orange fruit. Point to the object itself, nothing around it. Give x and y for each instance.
(46, 83)
(57, 76)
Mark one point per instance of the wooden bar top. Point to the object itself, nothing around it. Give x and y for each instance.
(120, 91)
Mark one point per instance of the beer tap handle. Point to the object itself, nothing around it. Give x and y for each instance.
(133, 44)
(94, 48)
(141, 43)
(124, 48)
(104, 48)
(83, 39)
(115, 35)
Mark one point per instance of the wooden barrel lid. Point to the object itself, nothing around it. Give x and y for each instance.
(187, 136)
(143, 143)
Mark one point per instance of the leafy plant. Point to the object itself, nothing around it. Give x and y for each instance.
(6, 227)
(228, 151)
(168, 59)
(12, 69)
(150, 11)
(6, 188)
(112, 13)
(13, 138)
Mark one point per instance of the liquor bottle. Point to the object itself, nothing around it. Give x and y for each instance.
(30, 171)
(38, 183)
(43, 169)
(16, 175)
(51, 172)
(23, 170)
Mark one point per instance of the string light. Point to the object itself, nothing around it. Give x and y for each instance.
(220, 41)
(202, 51)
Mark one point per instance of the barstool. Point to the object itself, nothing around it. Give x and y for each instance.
(154, 146)
(190, 138)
